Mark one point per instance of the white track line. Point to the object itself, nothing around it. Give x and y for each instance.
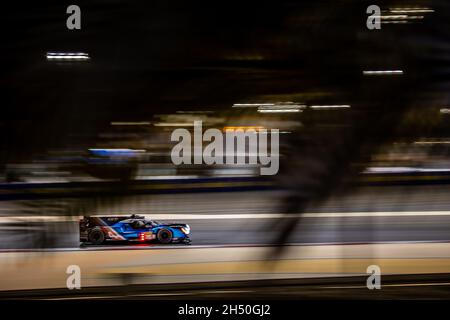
(15, 219)
(113, 247)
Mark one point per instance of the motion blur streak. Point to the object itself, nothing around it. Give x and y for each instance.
(67, 56)
(383, 72)
(364, 171)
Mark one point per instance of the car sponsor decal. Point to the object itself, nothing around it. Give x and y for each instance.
(111, 233)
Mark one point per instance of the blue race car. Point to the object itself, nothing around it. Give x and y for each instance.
(97, 230)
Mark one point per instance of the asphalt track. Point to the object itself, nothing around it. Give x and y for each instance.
(369, 228)
(229, 230)
(124, 267)
(385, 214)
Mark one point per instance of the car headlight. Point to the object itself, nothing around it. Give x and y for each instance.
(186, 230)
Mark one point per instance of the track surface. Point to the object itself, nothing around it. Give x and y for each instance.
(383, 214)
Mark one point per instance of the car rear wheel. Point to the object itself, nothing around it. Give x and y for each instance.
(96, 236)
(164, 236)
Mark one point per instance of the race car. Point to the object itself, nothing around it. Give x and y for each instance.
(98, 230)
